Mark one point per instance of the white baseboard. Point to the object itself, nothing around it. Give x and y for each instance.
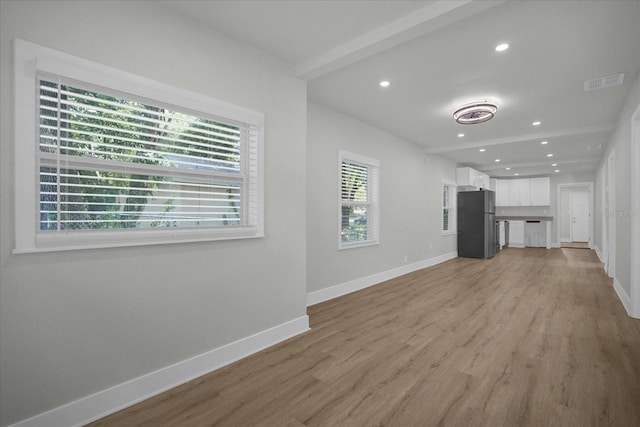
(106, 402)
(326, 294)
(598, 253)
(623, 296)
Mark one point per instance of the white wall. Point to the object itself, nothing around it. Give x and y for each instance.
(620, 143)
(410, 195)
(75, 323)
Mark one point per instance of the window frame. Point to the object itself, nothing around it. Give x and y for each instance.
(453, 202)
(30, 61)
(373, 199)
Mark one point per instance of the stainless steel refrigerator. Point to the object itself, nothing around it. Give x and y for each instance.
(477, 236)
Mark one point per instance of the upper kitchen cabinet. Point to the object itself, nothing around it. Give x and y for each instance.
(469, 179)
(523, 192)
(540, 191)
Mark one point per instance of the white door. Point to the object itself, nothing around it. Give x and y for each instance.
(579, 212)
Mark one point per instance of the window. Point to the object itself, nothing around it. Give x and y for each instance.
(105, 158)
(359, 207)
(448, 207)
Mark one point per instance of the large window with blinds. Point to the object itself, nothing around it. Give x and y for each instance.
(116, 163)
(359, 201)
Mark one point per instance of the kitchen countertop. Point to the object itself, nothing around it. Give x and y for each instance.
(523, 218)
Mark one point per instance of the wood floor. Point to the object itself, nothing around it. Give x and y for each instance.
(532, 337)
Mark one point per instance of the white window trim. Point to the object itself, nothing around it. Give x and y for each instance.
(453, 201)
(373, 166)
(29, 59)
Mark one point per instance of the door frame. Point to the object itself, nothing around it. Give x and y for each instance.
(635, 214)
(571, 214)
(610, 262)
(589, 187)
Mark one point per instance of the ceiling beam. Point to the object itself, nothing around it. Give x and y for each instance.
(436, 14)
(522, 138)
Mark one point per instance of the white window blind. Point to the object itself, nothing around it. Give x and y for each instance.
(358, 200)
(449, 195)
(114, 167)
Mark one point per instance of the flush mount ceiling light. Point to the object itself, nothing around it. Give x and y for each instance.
(502, 47)
(385, 83)
(474, 113)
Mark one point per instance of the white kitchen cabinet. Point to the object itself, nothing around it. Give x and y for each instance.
(523, 192)
(540, 191)
(516, 234)
(502, 192)
(471, 179)
(519, 192)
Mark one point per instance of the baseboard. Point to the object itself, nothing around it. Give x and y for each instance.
(623, 296)
(332, 292)
(106, 402)
(598, 253)
(565, 240)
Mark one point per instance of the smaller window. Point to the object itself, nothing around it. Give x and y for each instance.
(448, 207)
(359, 207)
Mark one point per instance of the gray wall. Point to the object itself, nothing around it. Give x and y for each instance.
(410, 195)
(620, 142)
(75, 323)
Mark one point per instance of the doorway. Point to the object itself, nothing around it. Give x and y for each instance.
(574, 217)
(579, 214)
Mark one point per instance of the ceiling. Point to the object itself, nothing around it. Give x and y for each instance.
(438, 55)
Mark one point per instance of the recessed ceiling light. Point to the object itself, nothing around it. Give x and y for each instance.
(497, 160)
(482, 150)
(536, 123)
(516, 174)
(476, 112)
(508, 169)
(549, 155)
(385, 83)
(544, 142)
(557, 170)
(460, 135)
(554, 164)
(502, 47)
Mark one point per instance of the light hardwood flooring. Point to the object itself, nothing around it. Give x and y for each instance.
(532, 337)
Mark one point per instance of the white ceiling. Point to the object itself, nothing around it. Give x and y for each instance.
(440, 54)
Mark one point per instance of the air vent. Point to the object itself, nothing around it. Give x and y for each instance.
(602, 82)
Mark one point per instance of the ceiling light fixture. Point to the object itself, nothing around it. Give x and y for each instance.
(385, 83)
(502, 47)
(557, 170)
(497, 160)
(508, 169)
(536, 123)
(460, 135)
(482, 150)
(544, 142)
(516, 174)
(554, 164)
(474, 113)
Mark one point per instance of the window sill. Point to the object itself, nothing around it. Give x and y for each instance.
(449, 233)
(343, 246)
(57, 242)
